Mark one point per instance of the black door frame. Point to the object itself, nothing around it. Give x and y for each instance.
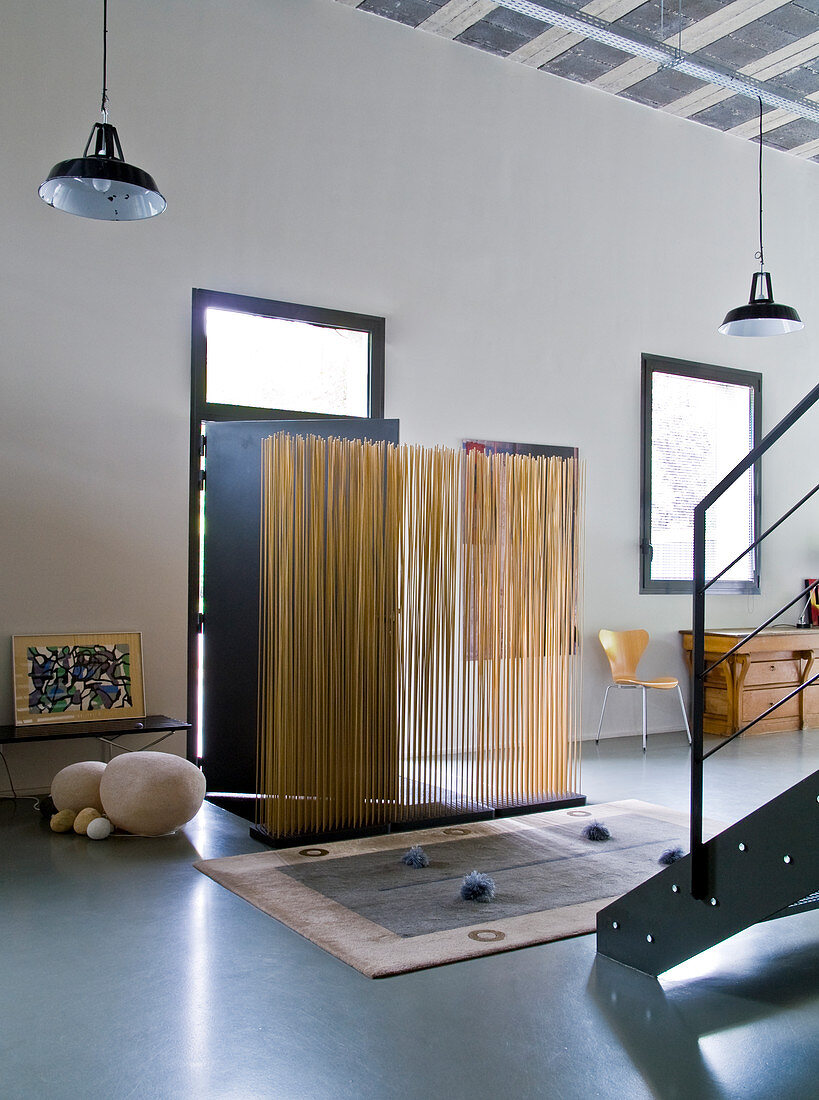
(203, 410)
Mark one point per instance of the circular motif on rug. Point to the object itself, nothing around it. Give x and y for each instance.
(579, 813)
(457, 830)
(487, 935)
(313, 852)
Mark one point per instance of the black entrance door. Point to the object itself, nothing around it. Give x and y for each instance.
(231, 592)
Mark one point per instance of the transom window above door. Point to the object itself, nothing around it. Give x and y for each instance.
(277, 363)
(257, 353)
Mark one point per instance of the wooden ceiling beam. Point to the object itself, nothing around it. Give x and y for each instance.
(456, 17)
(554, 42)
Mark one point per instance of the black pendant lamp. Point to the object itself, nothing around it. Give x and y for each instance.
(762, 316)
(101, 184)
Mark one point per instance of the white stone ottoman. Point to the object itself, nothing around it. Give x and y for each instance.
(151, 792)
(78, 786)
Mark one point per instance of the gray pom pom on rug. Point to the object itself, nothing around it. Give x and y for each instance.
(477, 886)
(671, 855)
(415, 857)
(596, 830)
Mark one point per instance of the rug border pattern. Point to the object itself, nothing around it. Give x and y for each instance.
(377, 952)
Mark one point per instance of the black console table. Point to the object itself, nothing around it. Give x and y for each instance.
(107, 730)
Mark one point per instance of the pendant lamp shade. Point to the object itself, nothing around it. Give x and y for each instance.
(102, 184)
(762, 316)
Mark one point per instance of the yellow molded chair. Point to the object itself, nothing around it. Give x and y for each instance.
(624, 648)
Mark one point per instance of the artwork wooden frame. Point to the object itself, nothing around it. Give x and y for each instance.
(77, 677)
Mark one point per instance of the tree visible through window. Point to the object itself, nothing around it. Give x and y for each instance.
(698, 422)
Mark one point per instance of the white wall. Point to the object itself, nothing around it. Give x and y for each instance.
(526, 239)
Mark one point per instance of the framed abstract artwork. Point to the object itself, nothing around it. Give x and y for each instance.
(77, 677)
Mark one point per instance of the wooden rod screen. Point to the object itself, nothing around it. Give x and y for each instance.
(419, 637)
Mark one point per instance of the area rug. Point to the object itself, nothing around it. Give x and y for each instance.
(357, 900)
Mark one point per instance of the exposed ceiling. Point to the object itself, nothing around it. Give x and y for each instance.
(686, 57)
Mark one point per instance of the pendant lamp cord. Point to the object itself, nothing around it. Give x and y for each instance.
(679, 25)
(104, 105)
(760, 255)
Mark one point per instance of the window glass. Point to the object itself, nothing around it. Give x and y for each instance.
(277, 363)
(698, 423)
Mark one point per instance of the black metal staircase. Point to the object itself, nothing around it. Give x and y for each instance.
(765, 866)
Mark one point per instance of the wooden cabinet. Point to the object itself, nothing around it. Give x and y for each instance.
(759, 674)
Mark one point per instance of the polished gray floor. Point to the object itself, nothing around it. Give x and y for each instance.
(129, 975)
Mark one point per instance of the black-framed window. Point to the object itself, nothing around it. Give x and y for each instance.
(259, 358)
(698, 421)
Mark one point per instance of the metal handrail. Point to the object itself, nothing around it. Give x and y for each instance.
(763, 536)
(762, 626)
(699, 855)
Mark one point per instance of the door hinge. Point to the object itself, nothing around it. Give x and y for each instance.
(201, 479)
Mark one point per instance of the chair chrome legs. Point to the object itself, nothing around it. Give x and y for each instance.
(603, 711)
(645, 717)
(645, 729)
(685, 716)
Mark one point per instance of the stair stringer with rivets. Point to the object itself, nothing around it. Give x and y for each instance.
(757, 869)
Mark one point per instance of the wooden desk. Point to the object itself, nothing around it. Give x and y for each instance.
(761, 672)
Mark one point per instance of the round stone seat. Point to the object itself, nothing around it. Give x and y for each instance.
(77, 786)
(151, 793)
